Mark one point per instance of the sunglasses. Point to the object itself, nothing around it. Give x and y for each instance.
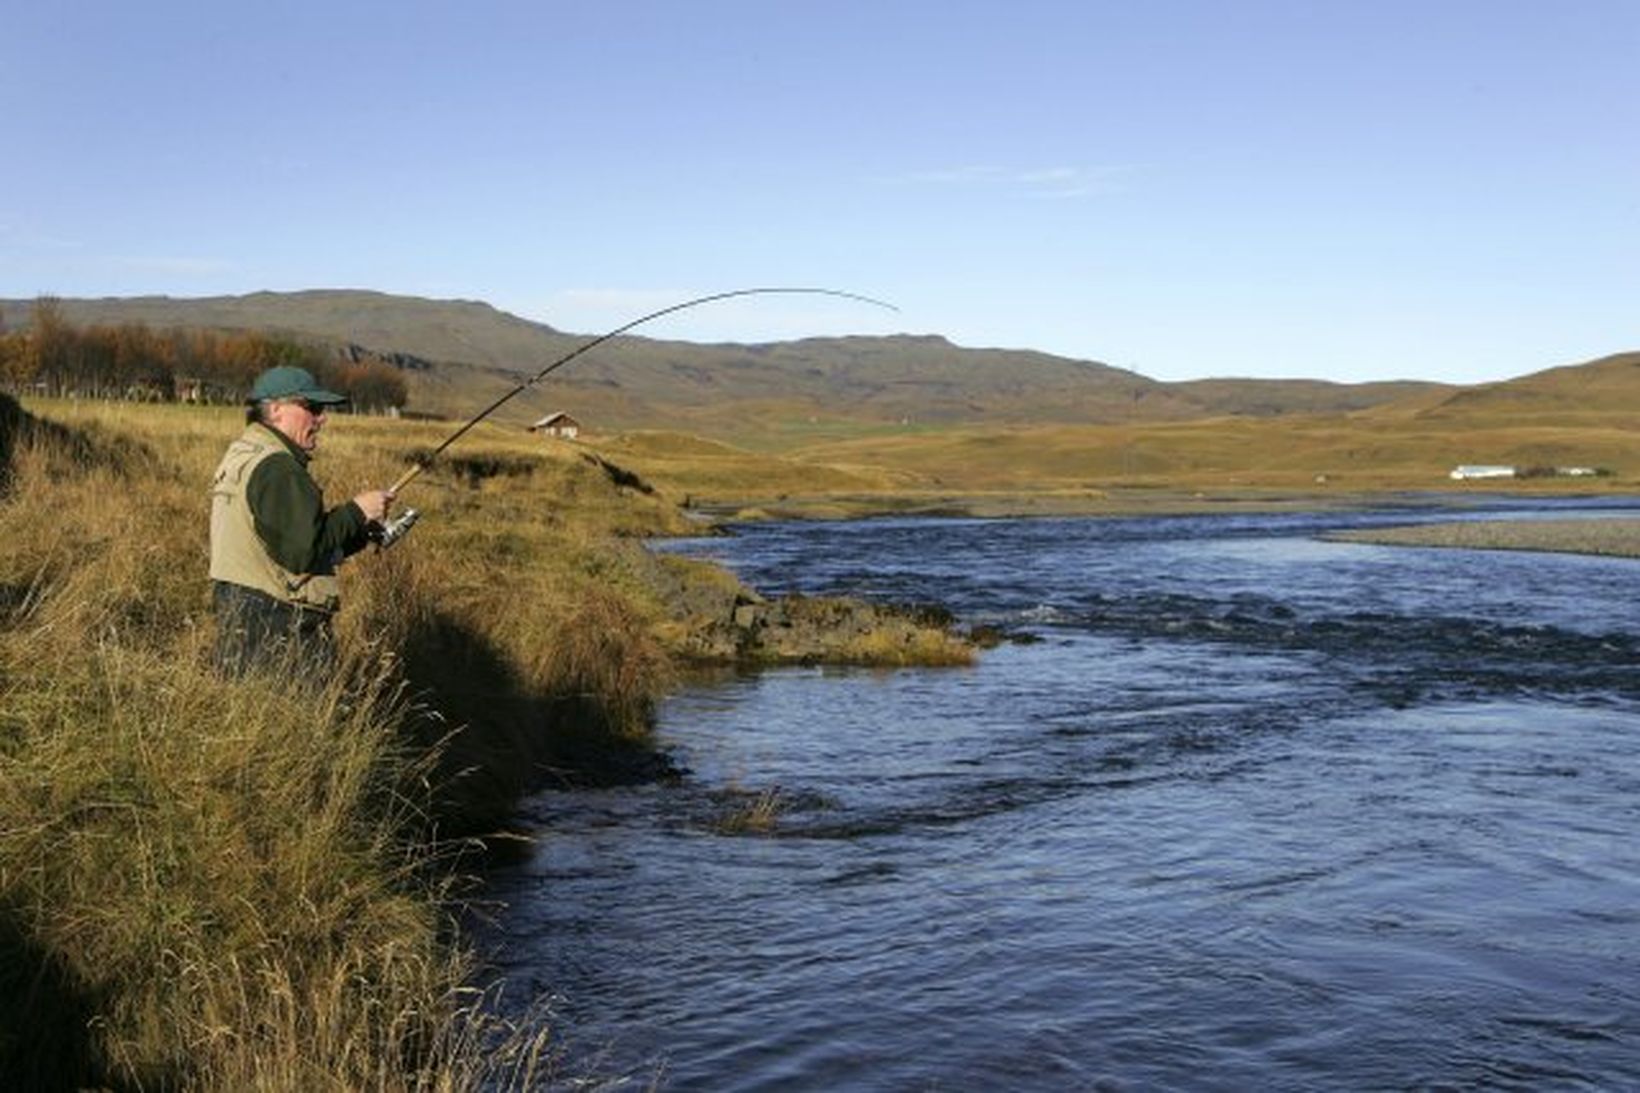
(314, 408)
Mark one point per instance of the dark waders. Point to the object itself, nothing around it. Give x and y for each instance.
(255, 632)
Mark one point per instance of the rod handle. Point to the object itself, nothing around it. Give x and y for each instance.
(405, 479)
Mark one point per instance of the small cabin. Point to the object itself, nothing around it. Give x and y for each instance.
(557, 424)
(1481, 470)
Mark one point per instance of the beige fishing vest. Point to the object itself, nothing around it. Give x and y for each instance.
(237, 553)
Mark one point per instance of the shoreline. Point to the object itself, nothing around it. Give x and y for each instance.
(1024, 505)
(1617, 537)
(1142, 501)
(1606, 536)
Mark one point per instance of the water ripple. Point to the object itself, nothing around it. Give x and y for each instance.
(1261, 812)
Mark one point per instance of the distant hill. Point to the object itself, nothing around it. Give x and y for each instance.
(435, 330)
(1271, 398)
(460, 353)
(920, 411)
(1603, 392)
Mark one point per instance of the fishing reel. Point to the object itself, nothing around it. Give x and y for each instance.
(385, 535)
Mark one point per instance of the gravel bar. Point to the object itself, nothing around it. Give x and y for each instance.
(1619, 537)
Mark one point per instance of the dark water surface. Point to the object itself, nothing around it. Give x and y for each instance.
(1258, 812)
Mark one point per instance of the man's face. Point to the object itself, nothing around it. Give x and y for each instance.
(299, 420)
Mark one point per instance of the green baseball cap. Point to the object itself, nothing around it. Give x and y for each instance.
(288, 381)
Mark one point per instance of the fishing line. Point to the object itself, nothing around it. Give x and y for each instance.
(425, 461)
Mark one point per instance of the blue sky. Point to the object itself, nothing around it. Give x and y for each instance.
(1446, 189)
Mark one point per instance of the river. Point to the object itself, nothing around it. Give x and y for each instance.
(1254, 811)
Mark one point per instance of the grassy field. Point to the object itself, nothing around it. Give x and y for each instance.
(253, 885)
(1308, 460)
(781, 456)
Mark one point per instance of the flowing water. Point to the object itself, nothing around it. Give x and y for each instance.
(1257, 811)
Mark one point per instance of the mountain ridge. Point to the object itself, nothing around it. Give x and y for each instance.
(473, 351)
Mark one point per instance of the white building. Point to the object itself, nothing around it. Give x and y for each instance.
(557, 424)
(1482, 470)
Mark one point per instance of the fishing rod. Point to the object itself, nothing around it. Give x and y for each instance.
(397, 527)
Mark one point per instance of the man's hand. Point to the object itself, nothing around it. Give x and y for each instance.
(374, 504)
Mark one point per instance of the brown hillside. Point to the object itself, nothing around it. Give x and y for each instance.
(1268, 398)
(1605, 392)
(437, 330)
(477, 352)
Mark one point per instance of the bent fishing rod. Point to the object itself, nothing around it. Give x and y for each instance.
(396, 528)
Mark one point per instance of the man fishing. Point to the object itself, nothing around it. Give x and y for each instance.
(274, 545)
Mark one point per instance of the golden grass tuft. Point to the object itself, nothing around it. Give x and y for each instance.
(755, 813)
(905, 646)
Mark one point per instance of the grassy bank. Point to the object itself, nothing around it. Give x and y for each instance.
(213, 884)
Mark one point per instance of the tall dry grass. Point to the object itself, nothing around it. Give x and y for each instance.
(218, 887)
(254, 884)
(250, 884)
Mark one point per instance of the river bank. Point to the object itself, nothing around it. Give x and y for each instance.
(203, 888)
(1614, 537)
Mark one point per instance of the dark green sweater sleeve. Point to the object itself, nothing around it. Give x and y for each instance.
(292, 522)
